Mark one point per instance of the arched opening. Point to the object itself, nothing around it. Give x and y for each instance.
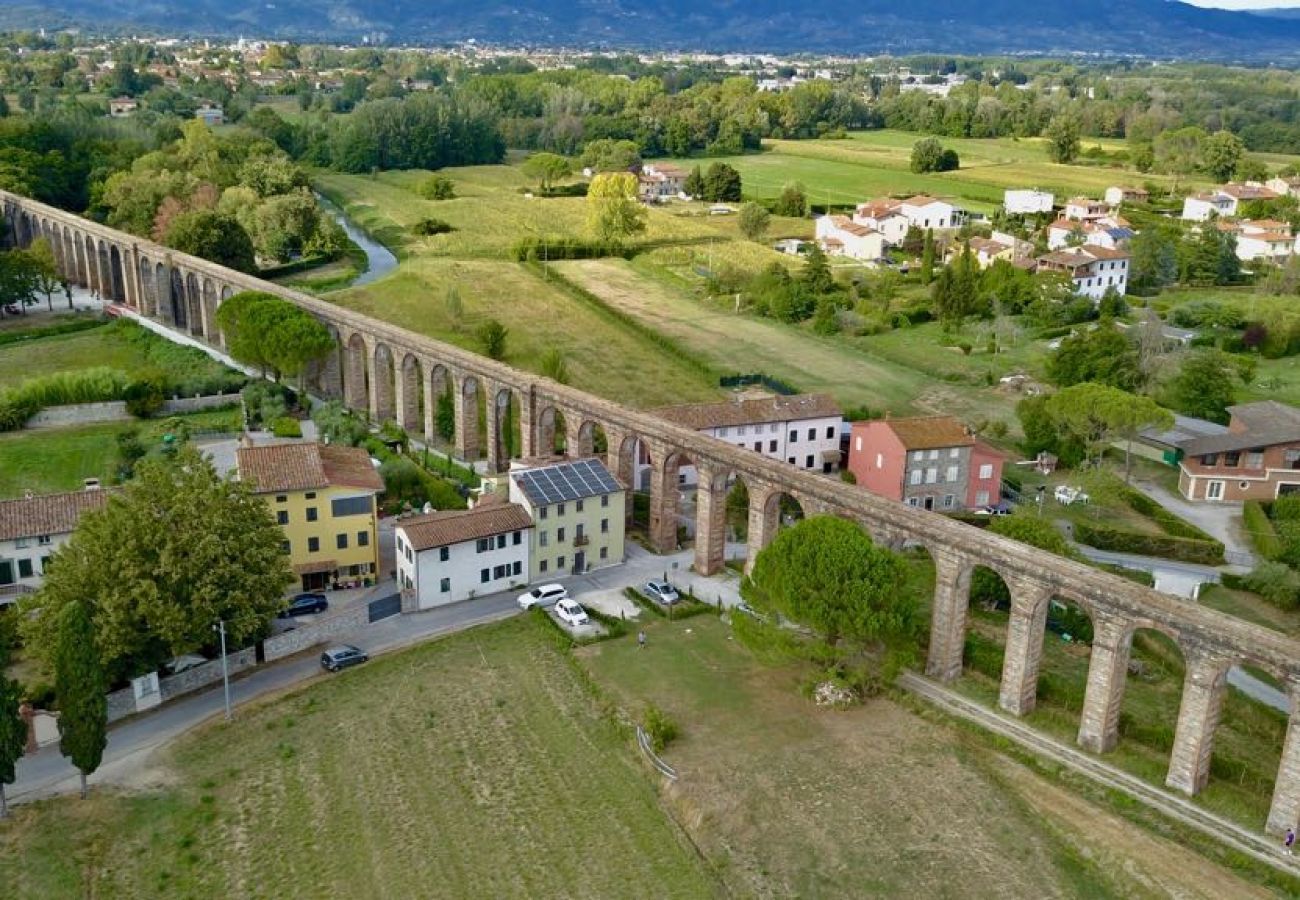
(117, 276)
(411, 415)
(470, 418)
(79, 250)
(68, 263)
(210, 331)
(503, 435)
(673, 486)
(179, 303)
(356, 390)
(987, 614)
(381, 377)
(193, 305)
(586, 438)
(329, 371)
(770, 510)
(104, 260)
(162, 287)
(551, 437)
(440, 408)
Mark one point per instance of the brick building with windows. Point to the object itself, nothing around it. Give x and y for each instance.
(323, 497)
(1256, 458)
(931, 462)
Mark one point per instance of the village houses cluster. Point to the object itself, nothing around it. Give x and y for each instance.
(1266, 240)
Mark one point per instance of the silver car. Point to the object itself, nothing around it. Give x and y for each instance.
(661, 592)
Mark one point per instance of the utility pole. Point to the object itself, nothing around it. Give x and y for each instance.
(225, 668)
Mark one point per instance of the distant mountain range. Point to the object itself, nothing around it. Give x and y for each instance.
(1160, 28)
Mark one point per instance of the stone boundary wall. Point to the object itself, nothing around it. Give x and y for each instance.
(115, 411)
(304, 636)
(122, 703)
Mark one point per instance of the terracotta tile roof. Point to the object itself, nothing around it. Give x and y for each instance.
(751, 411)
(271, 468)
(922, 200)
(931, 432)
(845, 224)
(47, 513)
(988, 245)
(1248, 192)
(876, 209)
(441, 529)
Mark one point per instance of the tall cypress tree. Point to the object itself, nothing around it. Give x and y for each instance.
(13, 732)
(79, 686)
(927, 257)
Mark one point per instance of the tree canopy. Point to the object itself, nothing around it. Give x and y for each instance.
(1097, 414)
(210, 235)
(79, 686)
(174, 551)
(613, 211)
(265, 331)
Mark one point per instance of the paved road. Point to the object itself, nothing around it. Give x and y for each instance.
(1221, 521)
(1177, 578)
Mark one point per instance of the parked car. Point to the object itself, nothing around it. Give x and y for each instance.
(303, 604)
(543, 595)
(183, 663)
(1067, 495)
(341, 657)
(661, 592)
(1000, 509)
(571, 612)
(11, 309)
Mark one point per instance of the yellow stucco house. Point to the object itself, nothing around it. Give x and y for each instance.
(323, 497)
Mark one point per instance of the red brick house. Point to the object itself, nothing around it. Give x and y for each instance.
(930, 462)
(1256, 458)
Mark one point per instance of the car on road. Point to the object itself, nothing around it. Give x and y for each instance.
(1000, 509)
(661, 592)
(543, 595)
(1067, 495)
(303, 604)
(570, 612)
(341, 657)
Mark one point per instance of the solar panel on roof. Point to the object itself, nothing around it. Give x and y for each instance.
(568, 481)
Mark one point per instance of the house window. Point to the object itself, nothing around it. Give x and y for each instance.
(541, 567)
(915, 476)
(741, 431)
(604, 526)
(20, 543)
(954, 452)
(771, 446)
(310, 495)
(24, 568)
(931, 475)
(724, 432)
(774, 428)
(951, 475)
(911, 501)
(444, 554)
(1209, 460)
(350, 506)
(483, 545)
(543, 539)
(44, 540)
(1232, 459)
(517, 568)
(986, 471)
(947, 501)
(758, 446)
(559, 535)
(812, 434)
(794, 435)
(559, 563)
(541, 513)
(934, 454)
(577, 507)
(559, 509)
(285, 548)
(444, 586)
(918, 455)
(830, 431)
(880, 460)
(1292, 459)
(484, 576)
(313, 545)
(311, 514)
(281, 498)
(808, 461)
(501, 541)
(604, 500)
(790, 460)
(858, 443)
(341, 541)
(982, 498)
(501, 571)
(518, 538)
(1255, 459)
(604, 553)
(282, 517)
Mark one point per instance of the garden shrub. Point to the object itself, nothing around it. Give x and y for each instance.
(286, 427)
(20, 403)
(145, 395)
(431, 226)
(660, 729)
(1263, 536)
(1106, 537)
(1276, 582)
(437, 187)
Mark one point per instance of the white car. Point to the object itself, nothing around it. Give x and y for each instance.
(1068, 495)
(543, 595)
(571, 613)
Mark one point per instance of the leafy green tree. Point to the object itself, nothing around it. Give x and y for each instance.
(721, 183)
(694, 186)
(19, 280)
(825, 573)
(1097, 414)
(610, 155)
(445, 416)
(1042, 435)
(926, 154)
(1154, 262)
(547, 169)
(45, 273)
(1220, 154)
(927, 257)
(437, 187)
(613, 212)
(1178, 152)
(79, 686)
(816, 276)
(792, 202)
(177, 549)
(492, 336)
(1104, 355)
(271, 174)
(210, 235)
(1206, 384)
(754, 220)
(13, 730)
(265, 331)
(1062, 137)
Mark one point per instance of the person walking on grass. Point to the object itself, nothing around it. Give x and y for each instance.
(1288, 843)
(640, 640)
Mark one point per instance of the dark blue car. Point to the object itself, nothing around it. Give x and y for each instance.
(303, 604)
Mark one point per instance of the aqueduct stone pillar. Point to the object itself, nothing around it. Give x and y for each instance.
(711, 520)
(1018, 691)
(573, 435)
(1108, 667)
(763, 522)
(1198, 716)
(948, 619)
(1285, 811)
(663, 498)
(466, 418)
(498, 424)
(527, 423)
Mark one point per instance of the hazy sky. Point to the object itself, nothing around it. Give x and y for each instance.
(1244, 4)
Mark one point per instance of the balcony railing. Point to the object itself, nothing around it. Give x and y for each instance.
(581, 540)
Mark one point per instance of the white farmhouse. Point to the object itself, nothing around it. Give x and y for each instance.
(1094, 270)
(841, 236)
(1265, 239)
(1224, 201)
(926, 212)
(1027, 203)
(883, 216)
(1116, 196)
(446, 557)
(31, 529)
(1084, 209)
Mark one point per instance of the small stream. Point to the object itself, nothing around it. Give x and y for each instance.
(380, 260)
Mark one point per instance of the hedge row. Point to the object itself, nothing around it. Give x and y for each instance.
(69, 327)
(1263, 535)
(1168, 522)
(1120, 540)
(536, 249)
(20, 403)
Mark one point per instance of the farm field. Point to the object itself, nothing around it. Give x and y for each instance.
(478, 765)
(746, 343)
(873, 801)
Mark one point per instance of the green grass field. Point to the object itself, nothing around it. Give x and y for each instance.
(475, 766)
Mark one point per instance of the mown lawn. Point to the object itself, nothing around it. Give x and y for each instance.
(475, 766)
(68, 352)
(56, 459)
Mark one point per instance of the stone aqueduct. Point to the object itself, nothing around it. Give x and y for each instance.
(184, 292)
